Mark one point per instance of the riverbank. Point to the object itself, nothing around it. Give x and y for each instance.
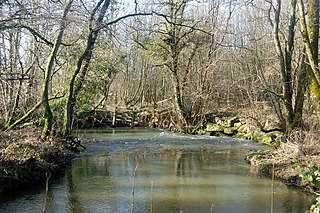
(290, 164)
(25, 159)
(292, 159)
(287, 162)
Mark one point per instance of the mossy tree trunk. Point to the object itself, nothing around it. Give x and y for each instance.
(29, 113)
(78, 76)
(309, 23)
(45, 94)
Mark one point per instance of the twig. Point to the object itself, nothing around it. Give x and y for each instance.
(272, 188)
(211, 209)
(133, 186)
(151, 200)
(48, 175)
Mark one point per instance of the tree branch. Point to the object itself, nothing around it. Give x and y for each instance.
(181, 25)
(126, 16)
(34, 108)
(31, 30)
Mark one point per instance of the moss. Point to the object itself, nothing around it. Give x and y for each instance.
(242, 129)
(256, 135)
(230, 131)
(315, 89)
(214, 128)
(238, 124)
(266, 139)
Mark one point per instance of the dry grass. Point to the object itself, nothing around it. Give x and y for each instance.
(300, 146)
(25, 158)
(307, 138)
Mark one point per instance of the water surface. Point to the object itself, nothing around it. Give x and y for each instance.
(175, 173)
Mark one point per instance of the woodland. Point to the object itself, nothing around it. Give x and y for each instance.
(61, 60)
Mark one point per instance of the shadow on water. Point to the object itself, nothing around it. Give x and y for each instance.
(189, 173)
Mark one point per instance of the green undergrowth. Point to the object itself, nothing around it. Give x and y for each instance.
(311, 174)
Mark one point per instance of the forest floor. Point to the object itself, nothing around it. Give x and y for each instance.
(24, 158)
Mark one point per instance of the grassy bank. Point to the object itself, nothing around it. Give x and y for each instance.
(24, 158)
(296, 160)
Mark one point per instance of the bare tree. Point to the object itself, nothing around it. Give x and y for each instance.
(284, 45)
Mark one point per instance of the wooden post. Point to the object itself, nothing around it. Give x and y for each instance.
(114, 116)
(133, 117)
(153, 119)
(114, 119)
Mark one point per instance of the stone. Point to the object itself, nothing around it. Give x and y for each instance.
(214, 128)
(233, 121)
(266, 139)
(230, 131)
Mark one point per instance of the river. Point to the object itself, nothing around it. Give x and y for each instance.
(174, 173)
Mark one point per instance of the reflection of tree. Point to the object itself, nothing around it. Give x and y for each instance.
(191, 162)
(186, 161)
(79, 181)
(180, 163)
(107, 166)
(74, 203)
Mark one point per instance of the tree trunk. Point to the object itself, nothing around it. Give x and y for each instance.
(285, 61)
(23, 73)
(301, 89)
(182, 122)
(45, 94)
(83, 65)
(174, 32)
(310, 33)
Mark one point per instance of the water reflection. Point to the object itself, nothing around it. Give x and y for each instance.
(74, 202)
(185, 179)
(189, 174)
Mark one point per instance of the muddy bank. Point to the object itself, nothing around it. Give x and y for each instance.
(26, 159)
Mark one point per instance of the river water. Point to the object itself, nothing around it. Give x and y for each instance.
(174, 173)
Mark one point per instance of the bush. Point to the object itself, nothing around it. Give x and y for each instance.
(84, 112)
